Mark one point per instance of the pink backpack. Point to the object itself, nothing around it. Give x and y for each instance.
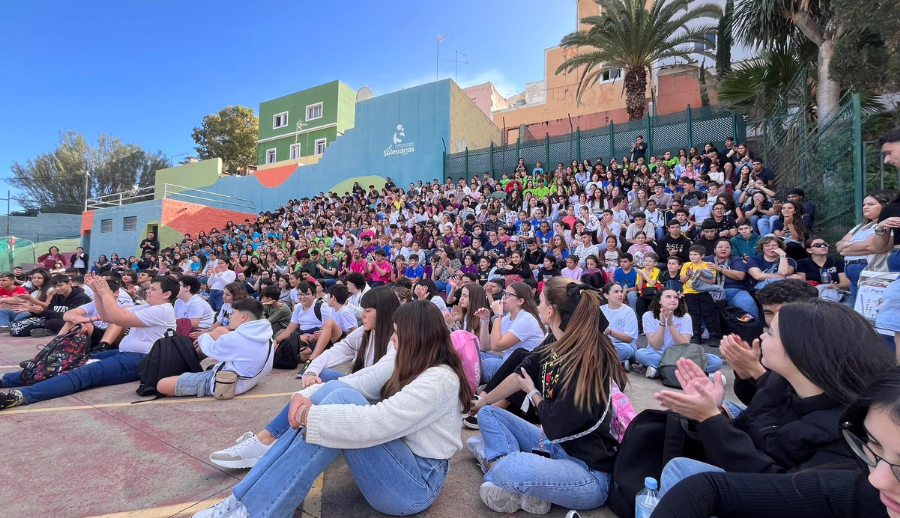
(466, 344)
(623, 411)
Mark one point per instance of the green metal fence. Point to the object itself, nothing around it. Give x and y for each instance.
(663, 133)
(16, 252)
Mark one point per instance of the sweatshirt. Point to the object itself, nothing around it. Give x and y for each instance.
(59, 304)
(346, 350)
(279, 317)
(425, 414)
(741, 247)
(247, 351)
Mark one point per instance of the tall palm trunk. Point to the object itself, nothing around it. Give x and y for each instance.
(828, 91)
(635, 92)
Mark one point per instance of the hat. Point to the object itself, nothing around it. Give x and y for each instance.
(797, 191)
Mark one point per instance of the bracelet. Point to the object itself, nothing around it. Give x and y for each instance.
(883, 230)
(303, 415)
(300, 412)
(532, 392)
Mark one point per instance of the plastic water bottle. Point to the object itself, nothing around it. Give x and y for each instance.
(825, 277)
(646, 500)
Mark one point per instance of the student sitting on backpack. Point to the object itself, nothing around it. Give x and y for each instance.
(366, 346)
(243, 346)
(275, 311)
(147, 323)
(568, 378)
(338, 321)
(821, 355)
(306, 320)
(103, 335)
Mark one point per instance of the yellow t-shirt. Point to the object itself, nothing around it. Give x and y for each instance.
(688, 286)
(654, 276)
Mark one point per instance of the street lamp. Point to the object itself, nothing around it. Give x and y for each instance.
(87, 189)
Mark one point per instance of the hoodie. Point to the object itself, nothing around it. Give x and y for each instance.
(741, 247)
(247, 351)
(59, 304)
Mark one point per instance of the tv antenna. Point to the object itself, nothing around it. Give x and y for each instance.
(457, 62)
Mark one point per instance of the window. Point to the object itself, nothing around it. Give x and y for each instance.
(314, 111)
(711, 45)
(611, 75)
(279, 120)
(130, 224)
(106, 225)
(320, 146)
(270, 156)
(295, 151)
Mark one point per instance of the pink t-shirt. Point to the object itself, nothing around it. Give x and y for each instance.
(386, 266)
(358, 267)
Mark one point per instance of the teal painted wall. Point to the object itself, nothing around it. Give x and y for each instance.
(119, 241)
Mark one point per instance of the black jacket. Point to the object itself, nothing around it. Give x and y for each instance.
(60, 304)
(83, 256)
(681, 245)
(778, 432)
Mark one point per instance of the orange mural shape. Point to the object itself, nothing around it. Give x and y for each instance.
(275, 176)
(87, 221)
(190, 218)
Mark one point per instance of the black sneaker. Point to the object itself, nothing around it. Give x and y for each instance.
(40, 332)
(712, 342)
(471, 422)
(11, 399)
(24, 364)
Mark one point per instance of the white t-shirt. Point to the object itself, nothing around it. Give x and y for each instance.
(224, 314)
(218, 280)
(196, 307)
(306, 319)
(344, 317)
(683, 325)
(701, 213)
(123, 300)
(526, 328)
(623, 320)
(439, 302)
(157, 319)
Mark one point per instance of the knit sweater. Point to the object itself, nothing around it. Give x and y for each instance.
(425, 414)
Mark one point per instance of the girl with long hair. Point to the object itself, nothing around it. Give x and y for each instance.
(28, 304)
(793, 229)
(472, 298)
(398, 451)
(519, 327)
(569, 379)
(820, 357)
(233, 292)
(857, 245)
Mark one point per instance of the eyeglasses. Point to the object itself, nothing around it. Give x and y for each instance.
(865, 454)
(819, 245)
(507, 294)
(302, 294)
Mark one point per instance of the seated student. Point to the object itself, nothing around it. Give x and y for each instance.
(192, 306)
(306, 321)
(673, 244)
(567, 379)
(627, 277)
(426, 289)
(701, 306)
(666, 323)
(414, 272)
(811, 268)
(8, 291)
(707, 237)
(242, 346)
(519, 327)
(365, 345)
(671, 276)
(233, 292)
(771, 264)
(821, 355)
(743, 245)
(103, 335)
(276, 312)
(147, 324)
(65, 297)
(623, 324)
(338, 320)
(29, 305)
(410, 435)
(870, 429)
(734, 271)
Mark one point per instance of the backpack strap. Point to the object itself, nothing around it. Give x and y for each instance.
(261, 369)
(317, 308)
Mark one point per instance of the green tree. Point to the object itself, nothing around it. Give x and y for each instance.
(230, 135)
(630, 36)
(724, 41)
(868, 56)
(55, 181)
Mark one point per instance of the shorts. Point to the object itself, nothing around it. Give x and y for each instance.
(195, 384)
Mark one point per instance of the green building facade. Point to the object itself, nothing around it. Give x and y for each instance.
(326, 111)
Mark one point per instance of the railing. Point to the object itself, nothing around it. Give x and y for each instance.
(169, 191)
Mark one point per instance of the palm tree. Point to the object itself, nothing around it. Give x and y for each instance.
(627, 35)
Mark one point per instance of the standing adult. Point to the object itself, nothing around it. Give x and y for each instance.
(150, 244)
(887, 233)
(219, 277)
(858, 247)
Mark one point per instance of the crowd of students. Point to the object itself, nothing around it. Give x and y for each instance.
(556, 272)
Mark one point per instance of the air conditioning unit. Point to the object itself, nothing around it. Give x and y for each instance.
(520, 102)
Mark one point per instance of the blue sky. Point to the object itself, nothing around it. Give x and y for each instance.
(148, 71)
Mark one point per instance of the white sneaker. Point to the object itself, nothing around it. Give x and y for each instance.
(231, 507)
(626, 365)
(475, 445)
(504, 501)
(244, 454)
(651, 372)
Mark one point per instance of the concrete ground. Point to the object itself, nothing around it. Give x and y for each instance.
(96, 454)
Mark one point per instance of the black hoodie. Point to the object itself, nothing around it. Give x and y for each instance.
(59, 304)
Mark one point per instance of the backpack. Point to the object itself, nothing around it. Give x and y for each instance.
(287, 355)
(466, 344)
(26, 326)
(667, 367)
(171, 355)
(623, 411)
(62, 354)
(652, 439)
(737, 321)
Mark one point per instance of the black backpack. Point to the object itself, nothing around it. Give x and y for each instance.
(287, 356)
(653, 438)
(737, 321)
(171, 355)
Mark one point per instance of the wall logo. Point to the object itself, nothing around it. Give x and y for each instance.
(399, 147)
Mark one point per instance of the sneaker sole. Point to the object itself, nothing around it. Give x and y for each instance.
(234, 464)
(503, 501)
(471, 426)
(475, 455)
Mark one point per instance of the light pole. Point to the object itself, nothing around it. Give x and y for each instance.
(87, 189)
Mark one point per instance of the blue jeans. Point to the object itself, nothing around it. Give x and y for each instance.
(632, 300)
(329, 282)
(216, 299)
(560, 479)
(280, 425)
(8, 315)
(660, 233)
(391, 477)
(625, 350)
(742, 299)
(681, 468)
(114, 368)
(650, 356)
(490, 363)
(754, 220)
(853, 271)
(765, 224)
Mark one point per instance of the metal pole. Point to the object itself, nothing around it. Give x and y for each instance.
(492, 160)
(8, 209)
(612, 140)
(690, 126)
(467, 163)
(87, 188)
(578, 144)
(857, 158)
(547, 152)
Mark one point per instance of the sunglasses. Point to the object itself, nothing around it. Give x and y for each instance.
(865, 454)
(819, 245)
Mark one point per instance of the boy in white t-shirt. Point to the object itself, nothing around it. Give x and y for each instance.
(702, 210)
(102, 334)
(244, 346)
(337, 322)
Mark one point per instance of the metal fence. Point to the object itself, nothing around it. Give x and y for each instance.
(662, 133)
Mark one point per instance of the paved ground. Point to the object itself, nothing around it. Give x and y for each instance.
(99, 455)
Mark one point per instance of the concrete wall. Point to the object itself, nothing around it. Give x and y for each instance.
(195, 175)
(43, 227)
(469, 126)
(119, 241)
